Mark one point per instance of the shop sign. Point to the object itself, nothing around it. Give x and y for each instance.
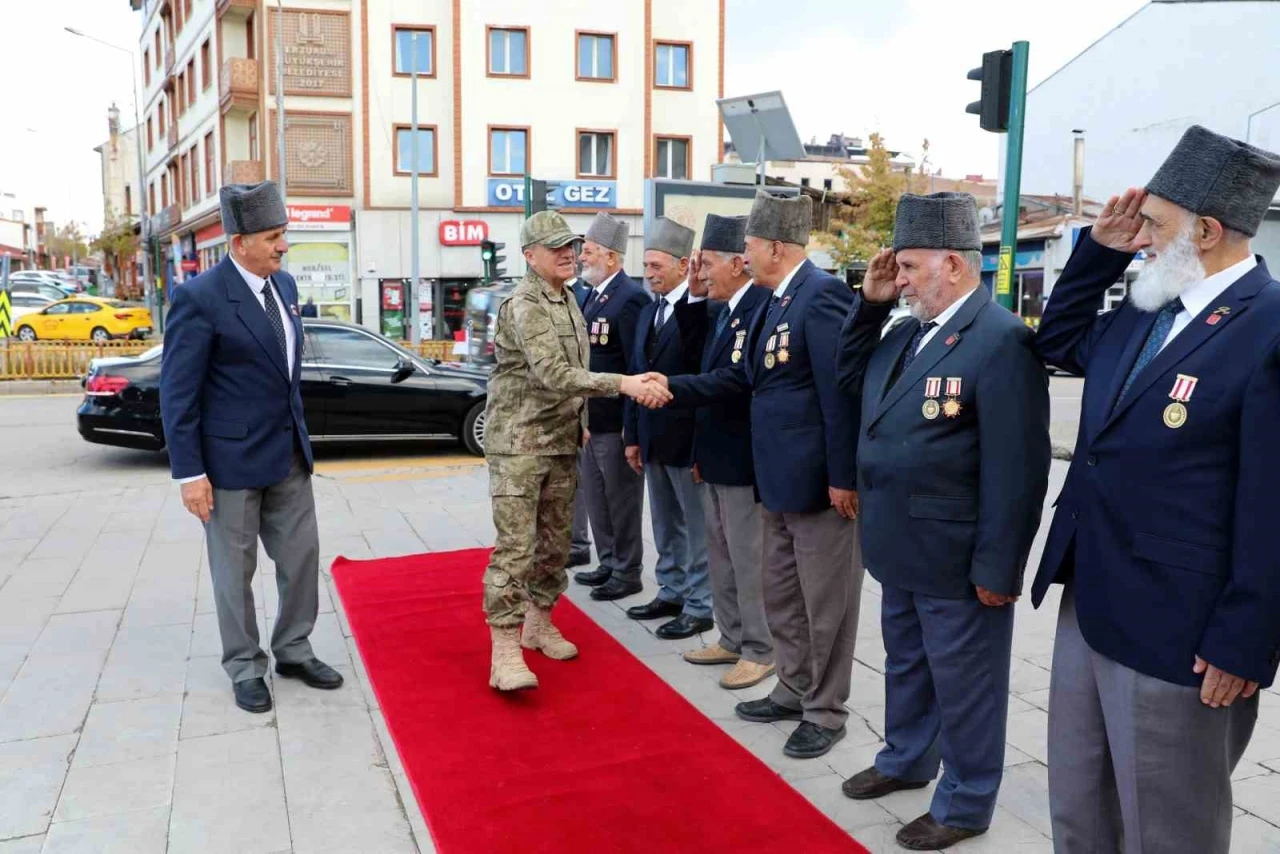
(470, 232)
(509, 193)
(190, 265)
(319, 217)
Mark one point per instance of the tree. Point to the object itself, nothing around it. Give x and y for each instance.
(119, 246)
(873, 204)
(67, 242)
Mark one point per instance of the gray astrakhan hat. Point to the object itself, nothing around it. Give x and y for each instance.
(610, 232)
(251, 208)
(670, 237)
(1213, 175)
(724, 234)
(937, 221)
(787, 220)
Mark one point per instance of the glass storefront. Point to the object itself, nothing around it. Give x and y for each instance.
(321, 265)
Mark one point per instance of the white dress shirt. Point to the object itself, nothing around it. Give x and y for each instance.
(941, 320)
(737, 297)
(673, 298)
(782, 288)
(255, 284)
(603, 286)
(1197, 298)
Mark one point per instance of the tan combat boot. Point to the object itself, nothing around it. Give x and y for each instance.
(540, 633)
(508, 672)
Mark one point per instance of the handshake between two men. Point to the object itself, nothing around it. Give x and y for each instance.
(648, 389)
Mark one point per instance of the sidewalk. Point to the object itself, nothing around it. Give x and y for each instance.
(117, 724)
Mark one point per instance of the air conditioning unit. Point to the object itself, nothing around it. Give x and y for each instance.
(733, 173)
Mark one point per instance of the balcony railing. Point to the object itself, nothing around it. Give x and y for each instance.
(243, 172)
(239, 85)
(243, 7)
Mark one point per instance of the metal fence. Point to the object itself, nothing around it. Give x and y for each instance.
(69, 360)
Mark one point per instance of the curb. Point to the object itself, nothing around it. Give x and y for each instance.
(10, 388)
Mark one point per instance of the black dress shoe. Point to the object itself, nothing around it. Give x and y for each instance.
(656, 610)
(595, 577)
(315, 673)
(616, 588)
(578, 559)
(925, 834)
(809, 741)
(766, 711)
(252, 695)
(870, 784)
(685, 626)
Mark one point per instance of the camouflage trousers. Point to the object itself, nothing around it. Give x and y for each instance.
(532, 501)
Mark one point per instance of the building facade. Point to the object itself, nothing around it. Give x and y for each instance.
(120, 187)
(594, 97)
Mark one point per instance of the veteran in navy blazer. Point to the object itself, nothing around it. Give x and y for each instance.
(232, 409)
(1164, 533)
(722, 460)
(805, 466)
(953, 464)
(669, 338)
(614, 490)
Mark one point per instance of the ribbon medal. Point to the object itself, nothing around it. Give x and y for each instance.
(769, 359)
(951, 408)
(784, 341)
(604, 332)
(932, 388)
(595, 332)
(1218, 313)
(739, 339)
(1175, 414)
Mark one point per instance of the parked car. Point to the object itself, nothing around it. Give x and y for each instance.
(482, 319)
(52, 292)
(43, 277)
(356, 385)
(86, 319)
(899, 315)
(22, 304)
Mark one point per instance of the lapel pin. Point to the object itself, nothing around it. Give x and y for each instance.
(294, 308)
(954, 337)
(1218, 313)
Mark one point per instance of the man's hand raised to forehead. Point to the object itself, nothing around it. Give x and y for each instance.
(879, 285)
(1119, 223)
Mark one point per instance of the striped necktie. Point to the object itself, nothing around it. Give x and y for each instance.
(1154, 342)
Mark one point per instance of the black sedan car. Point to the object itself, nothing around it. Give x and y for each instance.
(356, 385)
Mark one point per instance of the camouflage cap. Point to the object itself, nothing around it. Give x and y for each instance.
(548, 229)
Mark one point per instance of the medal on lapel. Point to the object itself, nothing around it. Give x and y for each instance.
(1217, 316)
(784, 342)
(1175, 414)
(951, 408)
(734, 323)
(932, 388)
(293, 307)
(604, 331)
(595, 331)
(769, 358)
(604, 299)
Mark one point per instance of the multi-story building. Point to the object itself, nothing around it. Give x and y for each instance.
(595, 96)
(120, 184)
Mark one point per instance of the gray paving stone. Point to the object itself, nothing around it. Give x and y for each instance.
(31, 777)
(1259, 796)
(126, 731)
(49, 696)
(24, 845)
(146, 662)
(1252, 835)
(208, 707)
(121, 787)
(138, 832)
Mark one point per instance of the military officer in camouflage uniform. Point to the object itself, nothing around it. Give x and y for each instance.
(536, 422)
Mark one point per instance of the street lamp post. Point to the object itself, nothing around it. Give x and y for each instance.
(144, 227)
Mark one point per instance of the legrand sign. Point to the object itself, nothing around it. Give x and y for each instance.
(508, 193)
(319, 217)
(470, 232)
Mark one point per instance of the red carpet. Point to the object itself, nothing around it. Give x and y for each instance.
(604, 757)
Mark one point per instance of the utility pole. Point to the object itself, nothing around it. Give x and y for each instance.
(415, 312)
(1077, 183)
(280, 154)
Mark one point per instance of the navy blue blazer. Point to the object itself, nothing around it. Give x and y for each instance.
(665, 436)
(1170, 530)
(722, 430)
(950, 499)
(803, 428)
(612, 317)
(231, 408)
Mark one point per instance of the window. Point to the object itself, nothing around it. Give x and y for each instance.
(160, 111)
(508, 151)
(151, 197)
(253, 137)
(146, 65)
(206, 65)
(180, 182)
(508, 52)
(249, 38)
(671, 66)
(208, 164)
(164, 190)
(182, 94)
(84, 308)
(191, 81)
(128, 201)
(350, 348)
(151, 136)
(195, 176)
(186, 9)
(426, 150)
(673, 158)
(403, 42)
(595, 154)
(60, 308)
(804, 182)
(157, 47)
(595, 57)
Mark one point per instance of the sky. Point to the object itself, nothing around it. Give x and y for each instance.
(898, 67)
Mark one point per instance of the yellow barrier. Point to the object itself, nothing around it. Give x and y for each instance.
(441, 351)
(60, 360)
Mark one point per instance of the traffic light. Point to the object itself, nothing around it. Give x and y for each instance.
(537, 194)
(493, 269)
(996, 75)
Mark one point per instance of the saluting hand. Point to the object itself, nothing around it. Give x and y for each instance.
(880, 283)
(1118, 226)
(1219, 688)
(698, 284)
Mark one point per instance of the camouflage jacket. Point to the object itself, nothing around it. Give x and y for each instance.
(538, 388)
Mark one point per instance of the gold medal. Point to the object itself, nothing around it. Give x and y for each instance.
(951, 408)
(595, 339)
(1175, 415)
(769, 361)
(784, 355)
(736, 357)
(931, 409)
(604, 339)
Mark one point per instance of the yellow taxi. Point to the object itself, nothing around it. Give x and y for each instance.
(85, 319)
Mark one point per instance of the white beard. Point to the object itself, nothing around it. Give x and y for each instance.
(1166, 278)
(593, 275)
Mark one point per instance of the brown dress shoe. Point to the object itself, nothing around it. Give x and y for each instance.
(714, 654)
(925, 834)
(869, 784)
(745, 674)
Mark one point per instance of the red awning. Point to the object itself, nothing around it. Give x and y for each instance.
(10, 252)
